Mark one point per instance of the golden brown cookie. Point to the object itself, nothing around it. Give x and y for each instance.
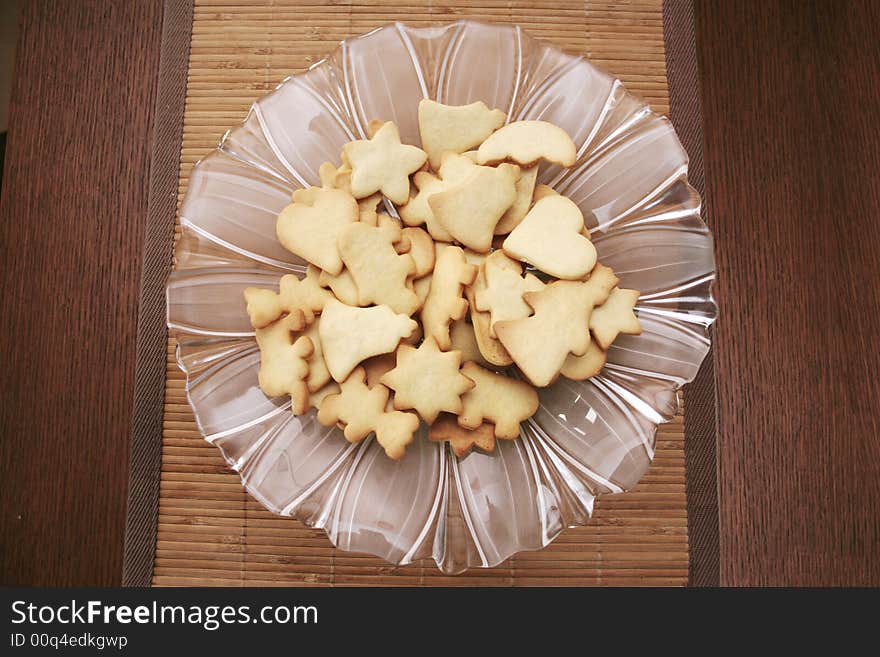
(265, 306)
(526, 142)
(498, 399)
(491, 348)
(461, 333)
(379, 272)
(448, 128)
(427, 380)
(525, 188)
(421, 248)
(350, 335)
(471, 209)
(444, 303)
(362, 410)
(580, 368)
(615, 316)
(382, 164)
(283, 360)
(550, 238)
(461, 440)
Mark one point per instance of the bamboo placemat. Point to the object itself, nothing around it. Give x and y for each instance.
(209, 531)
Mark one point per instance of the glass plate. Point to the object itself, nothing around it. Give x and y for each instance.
(588, 438)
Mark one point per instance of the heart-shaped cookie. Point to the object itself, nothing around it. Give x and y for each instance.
(550, 239)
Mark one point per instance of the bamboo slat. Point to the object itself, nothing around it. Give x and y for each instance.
(210, 532)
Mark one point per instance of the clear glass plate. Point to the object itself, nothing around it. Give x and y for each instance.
(588, 438)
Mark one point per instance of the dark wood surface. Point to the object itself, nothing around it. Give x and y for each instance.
(71, 229)
(791, 121)
(791, 116)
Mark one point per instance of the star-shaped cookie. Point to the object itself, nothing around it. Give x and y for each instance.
(427, 380)
(382, 164)
(615, 316)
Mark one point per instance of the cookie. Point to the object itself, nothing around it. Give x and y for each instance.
(379, 272)
(492, 349)
(470, 210)
(382, 164)
(343, 286)
(427, 380)
(525, 188)
(580, 368)
(453, 170)
(362, 410)
(615, 316)
(503, 401)
(463, 338)
(310, 226)
(461, 440)
(306, 294)
(444, 302)
(539, 344)
(350, 335)
(526, 142)
(421, 248)
(502, 296)
(549, 238)
(445, 128)
(283, 366)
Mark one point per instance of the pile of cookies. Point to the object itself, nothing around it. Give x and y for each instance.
(429, 317)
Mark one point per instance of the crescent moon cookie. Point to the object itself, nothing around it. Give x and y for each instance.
(526, 142)
(487, 329)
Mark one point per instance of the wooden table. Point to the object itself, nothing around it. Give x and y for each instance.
(790, 121)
